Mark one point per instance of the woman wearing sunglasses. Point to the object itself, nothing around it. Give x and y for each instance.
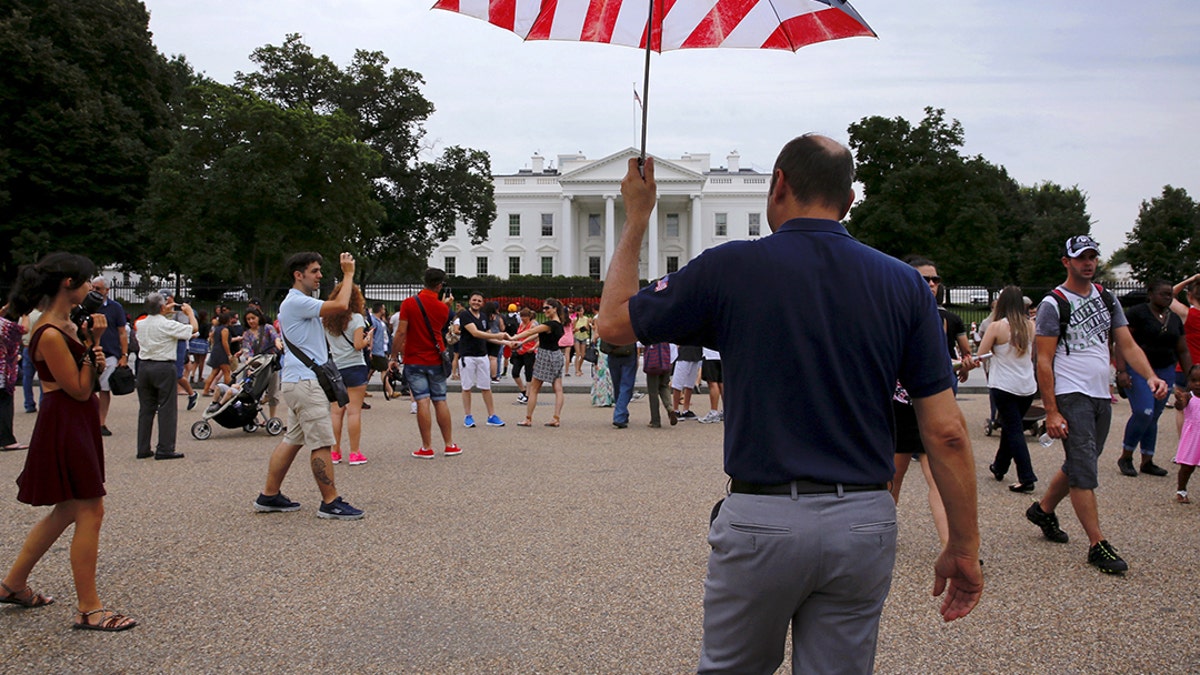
(549, 363)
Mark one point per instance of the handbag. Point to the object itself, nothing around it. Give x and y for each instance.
(328, 376)
(447, 356)
(590, 354)
(122, 381)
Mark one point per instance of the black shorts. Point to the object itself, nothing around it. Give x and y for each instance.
(908, 434)
(710, 371)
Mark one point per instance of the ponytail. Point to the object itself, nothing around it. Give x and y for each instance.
(41, 281)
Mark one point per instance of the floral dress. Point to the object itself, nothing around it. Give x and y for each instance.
(602, 389)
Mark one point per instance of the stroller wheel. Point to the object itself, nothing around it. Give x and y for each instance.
(201, 430)
(250, 427)
(274, 426)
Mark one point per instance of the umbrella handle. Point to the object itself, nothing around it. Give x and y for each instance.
(646, 90)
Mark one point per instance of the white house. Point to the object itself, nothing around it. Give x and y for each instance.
(567, 220)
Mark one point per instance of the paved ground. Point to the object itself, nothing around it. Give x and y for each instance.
(579, 550)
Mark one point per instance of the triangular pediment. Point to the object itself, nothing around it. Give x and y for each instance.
(612, 169)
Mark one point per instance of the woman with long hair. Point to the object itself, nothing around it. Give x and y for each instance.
(548, 364)
(348, 335)
(219, 358)
(260, 338)
(1009, 339)
(65, 463)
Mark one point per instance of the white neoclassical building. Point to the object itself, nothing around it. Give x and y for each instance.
(566, 220)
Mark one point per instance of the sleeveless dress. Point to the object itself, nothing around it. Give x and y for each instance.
(219, 357)
(66, 455)
(1189, 436)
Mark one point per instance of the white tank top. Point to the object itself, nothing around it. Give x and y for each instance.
(1012, 373)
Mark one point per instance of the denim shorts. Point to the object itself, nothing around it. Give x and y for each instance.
(355, 376)
(426, 382)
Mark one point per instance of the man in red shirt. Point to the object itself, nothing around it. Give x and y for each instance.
(419, 340)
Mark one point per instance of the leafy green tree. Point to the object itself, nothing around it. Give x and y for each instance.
(83, 114)
(248, 181)
(1057, 213)
(922, 197)
(422, 199)
(1165, 241)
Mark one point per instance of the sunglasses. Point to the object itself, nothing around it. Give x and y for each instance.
(933, 279)
(547, 307)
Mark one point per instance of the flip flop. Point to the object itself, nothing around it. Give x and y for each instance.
(111, 623)
(16, 446)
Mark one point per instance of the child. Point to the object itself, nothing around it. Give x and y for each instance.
(1188, 455)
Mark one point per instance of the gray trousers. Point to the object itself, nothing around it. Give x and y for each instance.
(156, 398)
(821, 564)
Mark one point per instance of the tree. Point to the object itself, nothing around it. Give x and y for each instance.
(82, 116)
(246, 177)
(922, 197)
(1165, 241)
(422, 200)
(1057, 213)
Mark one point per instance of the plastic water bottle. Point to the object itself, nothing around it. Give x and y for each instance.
(1045, 440)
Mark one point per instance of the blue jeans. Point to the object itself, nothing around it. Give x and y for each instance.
(27, 372)
(1011, 409)
(1143, 421)
(623, 370)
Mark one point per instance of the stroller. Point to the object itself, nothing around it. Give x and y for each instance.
(245, 408)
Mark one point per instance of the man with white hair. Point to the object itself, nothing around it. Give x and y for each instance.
(159, 334)
(115, 342)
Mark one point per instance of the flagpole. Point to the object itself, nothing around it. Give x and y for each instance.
(646, 86)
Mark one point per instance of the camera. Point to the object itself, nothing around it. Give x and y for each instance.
(81, 315)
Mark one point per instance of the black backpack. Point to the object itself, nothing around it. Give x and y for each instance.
(1064, 309)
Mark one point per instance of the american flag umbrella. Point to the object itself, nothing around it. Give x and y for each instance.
(661, 25)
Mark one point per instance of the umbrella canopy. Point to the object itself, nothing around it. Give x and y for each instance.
(674, 24)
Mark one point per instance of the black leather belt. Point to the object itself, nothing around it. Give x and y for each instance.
(801, 487)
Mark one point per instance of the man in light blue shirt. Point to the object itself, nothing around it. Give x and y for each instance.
(309, 423)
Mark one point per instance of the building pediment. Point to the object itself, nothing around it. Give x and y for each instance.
(612, 169)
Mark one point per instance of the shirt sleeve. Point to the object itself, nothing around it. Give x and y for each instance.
(677, 308)
(925, 366)
(1047, 319)
(308, 307)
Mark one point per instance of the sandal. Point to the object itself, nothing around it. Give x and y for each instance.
(25, 597)
(527, 423)
(553, 423)
(15, 446)
(1181, 497)
(111, 622)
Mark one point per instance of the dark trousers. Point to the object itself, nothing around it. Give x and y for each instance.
(659, 389)
(6, 418)
(156, 398)
(1014, 447)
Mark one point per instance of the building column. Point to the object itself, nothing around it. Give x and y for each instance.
(610, 232)
(652, 269)
(695, 228)
(568, 239)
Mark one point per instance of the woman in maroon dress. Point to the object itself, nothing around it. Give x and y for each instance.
(65, 464)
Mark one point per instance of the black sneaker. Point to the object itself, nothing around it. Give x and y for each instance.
(104, 431)
(276, 502)
(1125, 464)
(1153, 469)
(1105, 558)
(339, 510)
(1047, 521)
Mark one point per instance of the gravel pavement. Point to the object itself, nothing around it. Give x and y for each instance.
(572, 550)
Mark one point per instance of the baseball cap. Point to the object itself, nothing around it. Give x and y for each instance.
(167, 293)
(512, 307)
(1078, 244)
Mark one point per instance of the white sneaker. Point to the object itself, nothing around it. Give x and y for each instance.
(711, 418)
(413, 409)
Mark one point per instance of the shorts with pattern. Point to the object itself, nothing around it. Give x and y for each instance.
(548, 366)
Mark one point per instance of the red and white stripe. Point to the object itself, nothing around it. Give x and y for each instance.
(679, 24)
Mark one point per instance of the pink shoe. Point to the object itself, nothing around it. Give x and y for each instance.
(452, 450)
(357, 458)
(335, 456)
(423, 453)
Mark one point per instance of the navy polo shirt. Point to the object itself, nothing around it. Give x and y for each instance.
(814, 330)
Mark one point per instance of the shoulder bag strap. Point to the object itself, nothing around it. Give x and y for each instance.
(304, 358)
(436, 339)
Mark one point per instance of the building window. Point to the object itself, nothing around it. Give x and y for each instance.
(672, 263)
(722, 228)
(672, 224)
(547, 224)
(594, 225)
(514, 224)
(547, 266)
(753, 223)
(450, 265)
(514, 264)
(594, 267)
(481, 266)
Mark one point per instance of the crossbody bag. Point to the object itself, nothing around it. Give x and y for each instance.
(328, 376)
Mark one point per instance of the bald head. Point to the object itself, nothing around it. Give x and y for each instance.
(818, 172)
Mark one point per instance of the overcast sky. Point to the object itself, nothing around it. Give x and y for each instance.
(1102, 94)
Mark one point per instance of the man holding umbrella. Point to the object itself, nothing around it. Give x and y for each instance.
(807, 538)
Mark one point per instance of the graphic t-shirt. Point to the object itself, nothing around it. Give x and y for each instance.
(1085, 369)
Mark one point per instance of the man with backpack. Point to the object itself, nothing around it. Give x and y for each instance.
(1074, 325)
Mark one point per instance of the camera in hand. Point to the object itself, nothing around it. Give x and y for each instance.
(82, 314)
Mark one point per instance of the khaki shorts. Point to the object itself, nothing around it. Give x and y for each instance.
(308, 415)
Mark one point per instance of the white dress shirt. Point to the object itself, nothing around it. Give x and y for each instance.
(157, 336)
